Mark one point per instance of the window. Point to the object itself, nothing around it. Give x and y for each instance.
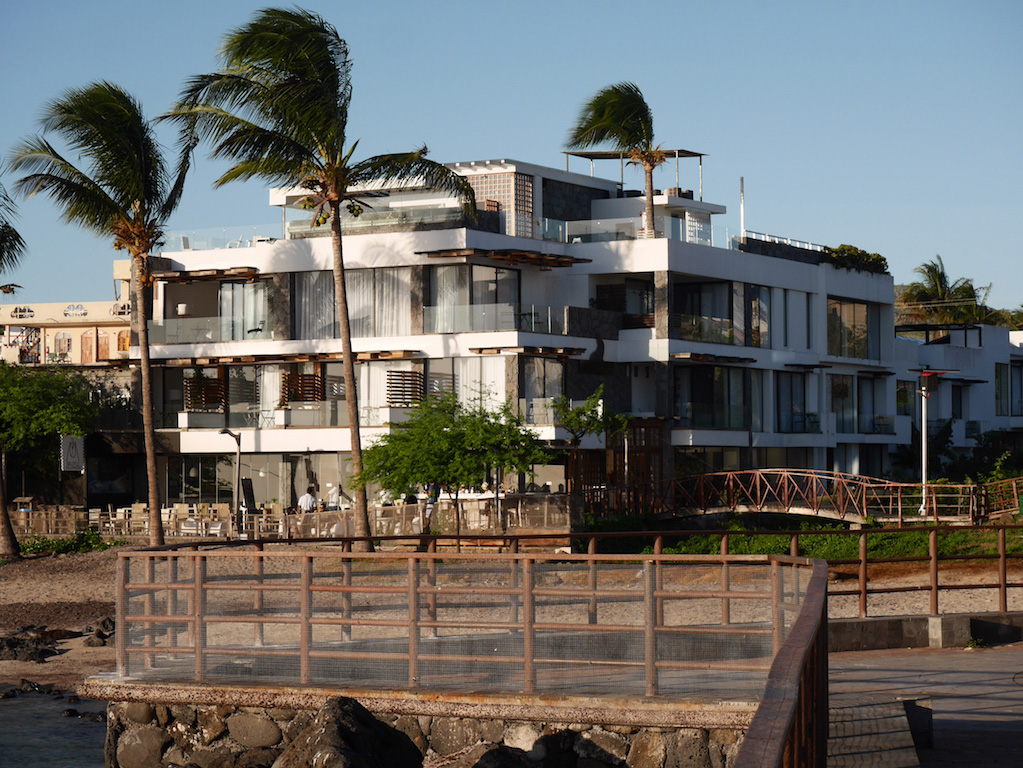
(718, 397)
(1016, 387)
(379, 303)
(853, 329)
(957, 401)
(1001, 389)
(123, 341)
(704, 312)
(758, 316)
(791, 399)
(905, 393)
(243, 311)
(842, 403)
(464, 297)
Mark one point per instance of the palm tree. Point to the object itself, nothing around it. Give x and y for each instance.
(126, 193)
(937, 298)
(619, 115)
(12, 248)
(278, 109)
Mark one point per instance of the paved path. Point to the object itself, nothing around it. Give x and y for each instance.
(976, 697)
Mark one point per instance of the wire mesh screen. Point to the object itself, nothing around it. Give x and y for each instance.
(488, 623)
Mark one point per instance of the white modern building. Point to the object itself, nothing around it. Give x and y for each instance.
(754, 352)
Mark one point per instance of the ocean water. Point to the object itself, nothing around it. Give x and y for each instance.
(34, 734)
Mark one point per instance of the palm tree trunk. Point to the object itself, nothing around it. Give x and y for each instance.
(351, 395)
(141, 263)
(9, 549)
(649, 229)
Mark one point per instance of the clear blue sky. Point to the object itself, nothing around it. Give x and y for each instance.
(893, 126)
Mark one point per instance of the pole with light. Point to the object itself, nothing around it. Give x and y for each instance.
(928, 384)
(236, 509)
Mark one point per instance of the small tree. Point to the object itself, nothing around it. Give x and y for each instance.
(590, 418)
(37, 405)
(453, 445)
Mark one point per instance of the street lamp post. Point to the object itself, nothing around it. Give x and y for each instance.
(236, 509)
(928, 382)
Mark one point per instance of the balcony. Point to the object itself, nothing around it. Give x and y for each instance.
(715, 330)
(607, 230)
(531, 318)
(381, 220)
(205, 330)
(877, 425)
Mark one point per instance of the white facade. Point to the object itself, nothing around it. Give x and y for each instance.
(726, 358)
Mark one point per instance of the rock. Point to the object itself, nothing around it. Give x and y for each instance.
(95, 641)
(141, 748)
(253, 731)
(648, 750)
(70, 713)
(213, 758)
(138, 712)
(521, 736)
(502, 756)
(409, 725)
(598, 744)
(687, 747)
(257, 758)
(453, 734)
(72, 699)
(724, 747)
(211, 726)
(25, 649)
(344, 734)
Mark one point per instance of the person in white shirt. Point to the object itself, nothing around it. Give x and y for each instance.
(307, 502)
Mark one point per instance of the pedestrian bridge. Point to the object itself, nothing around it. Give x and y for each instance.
(834, 495)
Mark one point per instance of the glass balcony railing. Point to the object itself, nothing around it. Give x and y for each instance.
(532, 318)
(203, 330)
(399, 219)
(604, 230)
(717, 330)
(220, 237)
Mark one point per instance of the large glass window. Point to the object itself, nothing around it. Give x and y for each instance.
(704, 311)
(469, 297)
(842, 403)
(379, 303)
(1001, 389)
(853, 329)
(905, 394)
(790, 394)
(718, 397)
(243, 311)
(757, 316)
(1016, 388)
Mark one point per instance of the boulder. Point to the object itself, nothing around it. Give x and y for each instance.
(344, 734)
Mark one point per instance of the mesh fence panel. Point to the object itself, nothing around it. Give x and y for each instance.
(501, 623)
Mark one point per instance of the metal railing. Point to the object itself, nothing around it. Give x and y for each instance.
(533, 623)
(834, 494)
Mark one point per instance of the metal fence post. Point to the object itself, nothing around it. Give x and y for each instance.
(305, 613)
(121, 598)
(199, 613)
(726, 603)
(528, 618)
(413, 622)
(258, 567)
(1003, 573)
(933, 554)
(649, 626)
(863, 574)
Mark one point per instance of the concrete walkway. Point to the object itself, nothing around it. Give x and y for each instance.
(976, 697)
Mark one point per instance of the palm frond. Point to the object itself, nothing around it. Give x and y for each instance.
(81, 199)
(409, 167)
(617, 115)
(12, 245)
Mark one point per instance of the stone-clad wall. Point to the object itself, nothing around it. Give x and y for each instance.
(145, 736)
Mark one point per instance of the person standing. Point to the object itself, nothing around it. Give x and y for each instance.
(307, 502)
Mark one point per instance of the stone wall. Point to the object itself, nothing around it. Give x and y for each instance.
(144, 736)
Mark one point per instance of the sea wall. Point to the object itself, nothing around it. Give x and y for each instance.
(142, 735)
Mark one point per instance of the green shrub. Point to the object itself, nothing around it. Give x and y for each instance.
(85, 541)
